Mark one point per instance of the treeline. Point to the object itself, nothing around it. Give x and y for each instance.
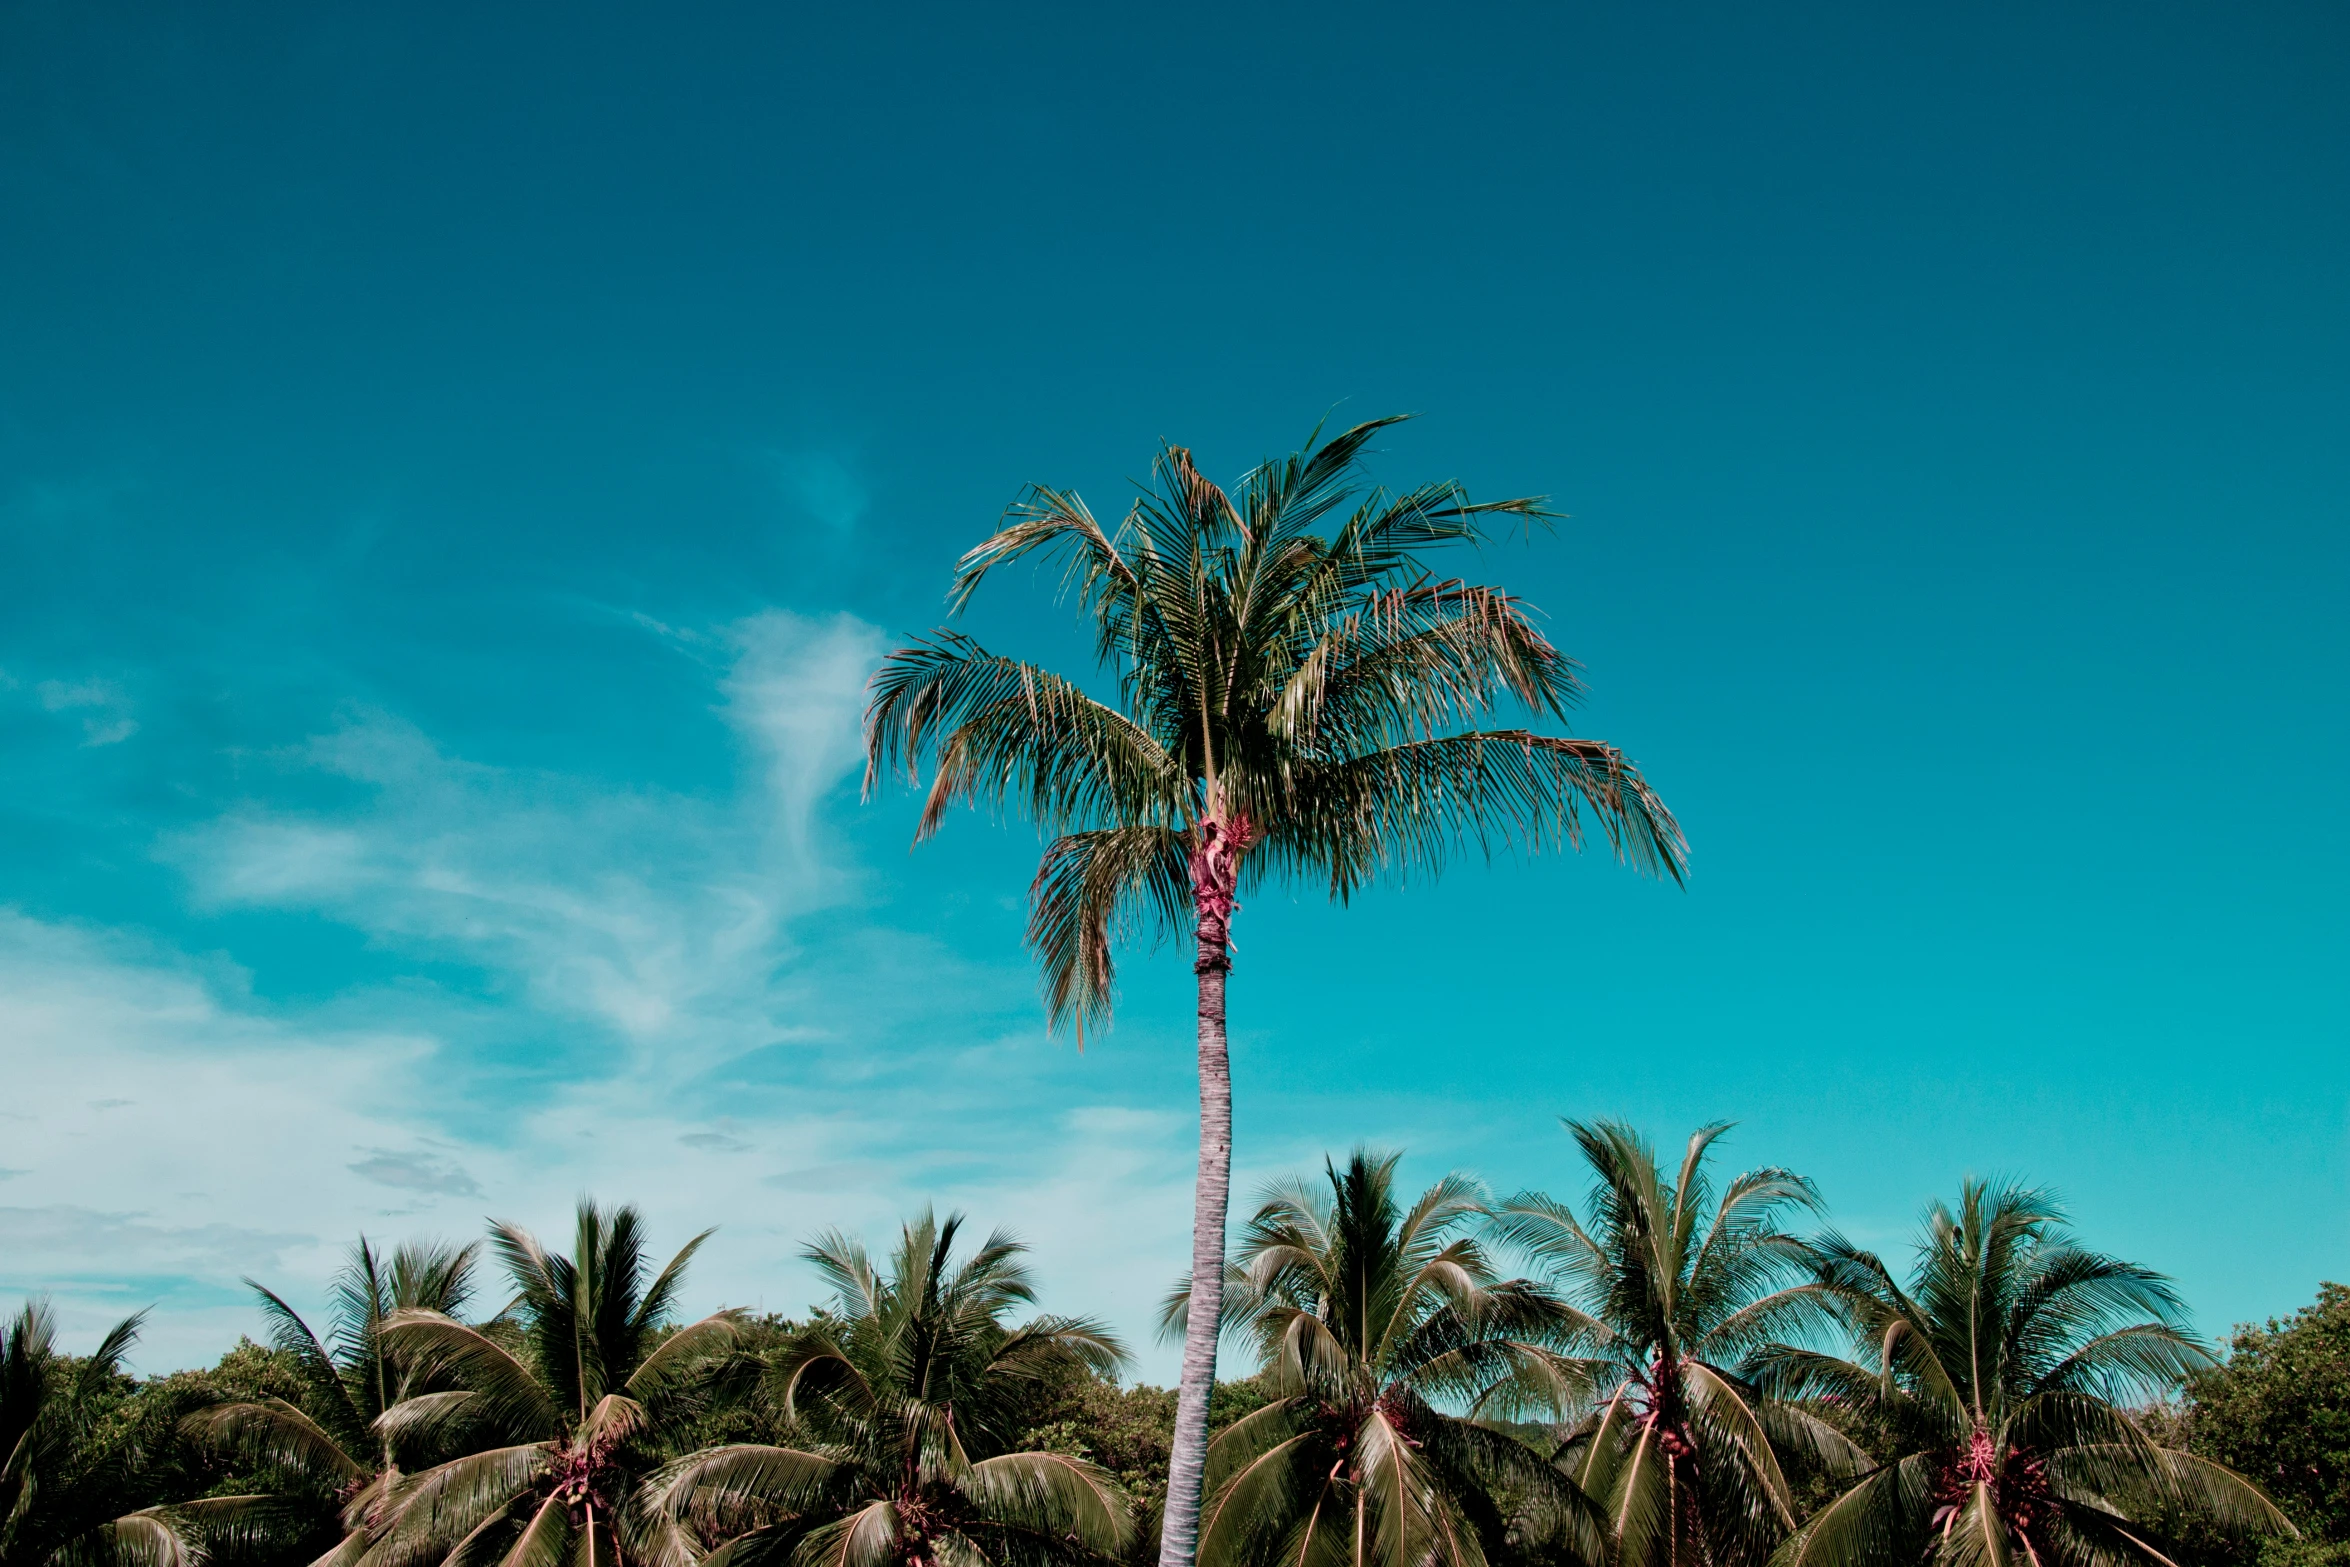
(1675, 1370)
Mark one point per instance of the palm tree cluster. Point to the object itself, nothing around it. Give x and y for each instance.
(1666, 1372)
(1673, 1375)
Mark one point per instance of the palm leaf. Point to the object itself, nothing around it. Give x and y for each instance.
(272, 1432)
(509, 1393)
(1050, 1493)
(865, 1538)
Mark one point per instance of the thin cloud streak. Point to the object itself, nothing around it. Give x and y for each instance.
(739, 1081)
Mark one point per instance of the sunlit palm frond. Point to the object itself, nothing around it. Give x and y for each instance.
(273, 1432)
(1411, 807)
(504, 1390)
(545, 1541)
(1053, 1494)
(433, 1513)
(1002, 729)
(684, 1353)
(1878, 1520)
(732, 1486)
(867, 1537)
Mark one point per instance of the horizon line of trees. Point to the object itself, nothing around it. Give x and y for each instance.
(1671, 1372)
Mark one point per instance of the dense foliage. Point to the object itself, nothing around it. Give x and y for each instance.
(1678, 1376)
(2278, 1410)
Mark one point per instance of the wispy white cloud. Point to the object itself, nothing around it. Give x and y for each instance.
(236, 1139)
(186, 1131)
(656, 914)
(101, 705)
(797, 689)
(824, 488)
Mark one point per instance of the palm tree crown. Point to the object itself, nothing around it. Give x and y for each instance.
(1998, 1379)
(903, 1401)
(1677, 1289)
(1385, 1339)
(351, 1376)
(564, 1416)
(1291, 702)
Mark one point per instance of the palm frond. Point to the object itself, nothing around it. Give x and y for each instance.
(1410, 807)
(507, 1392)
(1881, 1519)
(272, 1432)
(1093, 890)
(1053, 1494)
(683, 1352)
(724, 1485)
(546, 1540)
(1000, 727)
(867, 1537)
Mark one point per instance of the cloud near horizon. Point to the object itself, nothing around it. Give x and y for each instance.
(646, 1026)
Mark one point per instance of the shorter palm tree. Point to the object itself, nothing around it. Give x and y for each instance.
(1998, 1379)
(1677, 1288)
(903, 1402)
(351, 1376)
(562, 1411)
(1387, 1343)
(59, 1493)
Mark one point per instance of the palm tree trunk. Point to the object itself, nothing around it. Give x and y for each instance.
(1214, 876)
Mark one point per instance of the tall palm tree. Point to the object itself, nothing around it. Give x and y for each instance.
(1293, 703)
(60, 1495)
(351, 1376)
(1387, 1341)
(903, 1401)
(1999, 1379)
(562, 1417)
(1678, 1288)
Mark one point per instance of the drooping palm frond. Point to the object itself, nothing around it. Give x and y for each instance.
(1092, 890)
(274, 1433)
(498, 1386)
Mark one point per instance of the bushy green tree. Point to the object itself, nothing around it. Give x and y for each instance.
(86, 1478)
(2278, 1410)
(1126, 1431)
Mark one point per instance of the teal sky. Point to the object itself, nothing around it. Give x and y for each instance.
(458, 464)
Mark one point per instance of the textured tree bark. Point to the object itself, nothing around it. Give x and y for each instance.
(1215, 874)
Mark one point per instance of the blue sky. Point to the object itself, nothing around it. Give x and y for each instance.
(456, 470)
